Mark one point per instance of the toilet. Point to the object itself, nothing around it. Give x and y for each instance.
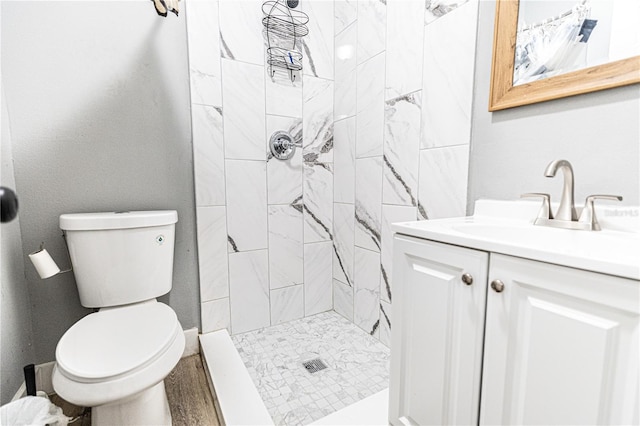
(115, 360)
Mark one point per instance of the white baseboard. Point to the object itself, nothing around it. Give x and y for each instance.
(22, 391)
(43, 377)
(43, 381)
(192, 344)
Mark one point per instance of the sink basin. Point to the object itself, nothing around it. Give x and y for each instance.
(507, 227)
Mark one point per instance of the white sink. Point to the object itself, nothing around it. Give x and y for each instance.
(507, 227)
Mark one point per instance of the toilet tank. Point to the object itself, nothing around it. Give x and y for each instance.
(121, 257)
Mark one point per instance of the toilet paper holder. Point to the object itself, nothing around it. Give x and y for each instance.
(44, 263)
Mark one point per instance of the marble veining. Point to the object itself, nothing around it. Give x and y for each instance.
(401, 146)
(225, 51)
(358, 366)
(310, 67)
(318, 201)
(367, 290)
(298, 204)
(344, 161)
(241, 30)
(368, 202)
(391, 214)
(317, 119)
(233, 247)
(317, 59)
(435, 9)
(367, 226)
(343, 242)
(422, 212)
(386, 281)
(385, 323)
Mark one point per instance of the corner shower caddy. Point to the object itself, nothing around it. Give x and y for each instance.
(284, 28)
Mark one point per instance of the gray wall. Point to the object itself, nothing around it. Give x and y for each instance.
(16, 337)
(599, 133)
(98, 99)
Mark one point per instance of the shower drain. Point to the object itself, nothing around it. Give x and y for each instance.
(314, 365)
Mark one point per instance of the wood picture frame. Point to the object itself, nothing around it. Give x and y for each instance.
(503, 94)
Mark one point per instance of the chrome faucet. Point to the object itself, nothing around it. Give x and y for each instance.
(567, 209)
(566, 216)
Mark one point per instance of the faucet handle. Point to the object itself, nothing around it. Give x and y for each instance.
(588, 215)
(545, 211)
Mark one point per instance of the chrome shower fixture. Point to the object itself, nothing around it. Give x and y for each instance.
(282, 145)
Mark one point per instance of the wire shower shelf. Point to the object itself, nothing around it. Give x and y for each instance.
(283, 31)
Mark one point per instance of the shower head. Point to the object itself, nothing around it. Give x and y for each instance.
(292, 3)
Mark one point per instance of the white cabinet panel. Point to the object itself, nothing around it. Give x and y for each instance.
(561, 346)
(438, 333)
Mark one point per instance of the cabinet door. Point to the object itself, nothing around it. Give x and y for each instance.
(436, 346)
(561, 346)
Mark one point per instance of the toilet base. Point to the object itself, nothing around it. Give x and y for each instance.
(149, 407)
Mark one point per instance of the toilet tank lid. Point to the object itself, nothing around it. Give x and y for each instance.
(117, 220)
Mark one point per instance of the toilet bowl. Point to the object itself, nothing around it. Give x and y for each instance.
(115, 361)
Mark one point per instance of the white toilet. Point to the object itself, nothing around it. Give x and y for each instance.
(115, 360)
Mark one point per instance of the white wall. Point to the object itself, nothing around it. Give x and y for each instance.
(98, 99)
(16, 336)
(599, 133)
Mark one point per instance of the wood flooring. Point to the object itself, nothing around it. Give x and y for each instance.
(190, 399)
(189, 396)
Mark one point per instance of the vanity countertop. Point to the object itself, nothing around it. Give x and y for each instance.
(507, 227)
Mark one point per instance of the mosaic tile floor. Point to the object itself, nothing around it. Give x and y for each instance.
(358, 366)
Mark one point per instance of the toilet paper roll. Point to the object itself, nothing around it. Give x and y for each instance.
(44, 264)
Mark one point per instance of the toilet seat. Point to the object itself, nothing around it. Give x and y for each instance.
(117, 352)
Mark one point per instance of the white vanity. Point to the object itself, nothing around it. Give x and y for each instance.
(498, 321)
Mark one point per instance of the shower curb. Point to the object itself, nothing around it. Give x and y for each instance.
(238, 399)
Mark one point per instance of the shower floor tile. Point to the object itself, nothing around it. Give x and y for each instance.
(358, 366)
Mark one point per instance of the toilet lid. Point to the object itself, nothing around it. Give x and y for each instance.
(116, 341)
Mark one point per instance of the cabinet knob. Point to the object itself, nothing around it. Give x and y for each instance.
(497, 285)
(467, 278)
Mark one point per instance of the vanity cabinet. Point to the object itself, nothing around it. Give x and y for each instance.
(436, 348)
(561, 346)
(558, 345)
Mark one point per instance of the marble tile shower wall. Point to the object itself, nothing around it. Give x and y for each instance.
(403, 87)
(264, 225)
(383, 108)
